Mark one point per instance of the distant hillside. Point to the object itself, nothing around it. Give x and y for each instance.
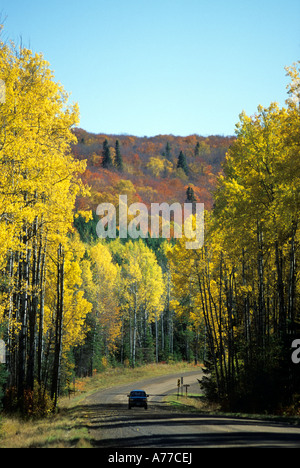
(151, 169)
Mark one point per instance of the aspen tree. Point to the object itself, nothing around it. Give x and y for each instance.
(243, 282)
(38, 187)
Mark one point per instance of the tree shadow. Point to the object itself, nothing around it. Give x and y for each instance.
(105, 419)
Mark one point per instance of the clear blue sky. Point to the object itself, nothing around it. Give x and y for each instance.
(148, 67)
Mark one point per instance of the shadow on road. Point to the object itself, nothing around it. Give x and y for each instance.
(161, 427)
(262, 440)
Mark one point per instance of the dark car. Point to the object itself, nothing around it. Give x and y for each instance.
(137, 398)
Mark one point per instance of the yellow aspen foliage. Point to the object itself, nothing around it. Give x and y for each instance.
(41, 302)
(243, 284)
(142, 291)
(76, 306)
(101, 277)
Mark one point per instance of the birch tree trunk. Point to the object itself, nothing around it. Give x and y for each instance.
(58, 325)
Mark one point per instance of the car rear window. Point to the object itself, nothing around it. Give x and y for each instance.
(137, 393)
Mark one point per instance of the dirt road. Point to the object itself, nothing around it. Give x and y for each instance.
(112, 425)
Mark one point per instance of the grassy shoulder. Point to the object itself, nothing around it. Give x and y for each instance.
(192, 403)
(70, 427)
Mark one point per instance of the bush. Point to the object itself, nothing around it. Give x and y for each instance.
(34, 404)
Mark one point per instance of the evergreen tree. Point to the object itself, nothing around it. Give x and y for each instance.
(190, 198)
(190, 195)
(106, 160)
(168, 151)
(181, 163)
(118, 158)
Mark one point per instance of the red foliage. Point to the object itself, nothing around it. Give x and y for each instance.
(136, 152)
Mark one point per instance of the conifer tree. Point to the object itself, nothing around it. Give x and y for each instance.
(106, 160)
(182, 164)
(190, 195)
(168, 151)
(118, 158)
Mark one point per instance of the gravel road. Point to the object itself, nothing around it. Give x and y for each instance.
(112, 425)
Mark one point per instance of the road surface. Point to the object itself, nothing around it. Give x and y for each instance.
(113, 425)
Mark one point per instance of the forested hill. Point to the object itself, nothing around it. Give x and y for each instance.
(149, 169)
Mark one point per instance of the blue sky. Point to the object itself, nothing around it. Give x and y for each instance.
(149, 67)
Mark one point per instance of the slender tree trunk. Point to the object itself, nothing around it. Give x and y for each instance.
(24, 286)
(134, 328)
(246, 314)
(10, 331)
(32, 312)
(162, 332)
(156, 338)
(280, 291)
(261, 294)
(208, 325)
(41, 312)
(58, 325)
(292, 280)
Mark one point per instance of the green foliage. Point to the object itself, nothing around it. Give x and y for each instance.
(3, 382)
(118, 157)
(107, 161)
(182, 163)
(86, 229)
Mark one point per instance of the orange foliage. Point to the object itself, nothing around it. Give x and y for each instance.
(136, 152)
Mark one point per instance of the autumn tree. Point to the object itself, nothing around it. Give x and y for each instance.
(141, 299)
(39, 183)
(242, 284)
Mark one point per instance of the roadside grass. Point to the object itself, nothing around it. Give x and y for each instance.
(195, 402)
(69, 428)
(59, 431)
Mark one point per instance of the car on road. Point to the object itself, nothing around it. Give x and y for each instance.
(137, 398)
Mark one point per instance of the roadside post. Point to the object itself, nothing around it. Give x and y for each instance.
(178, 386)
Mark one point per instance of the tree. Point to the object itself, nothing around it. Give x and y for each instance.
(190, 198)
(118, 157)
(242, 283)
(107, 162)
(167, 152)
(190, 195)
(39, 184)
(156, 166)
(58, 324)
(182, 163)
(142, 296)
